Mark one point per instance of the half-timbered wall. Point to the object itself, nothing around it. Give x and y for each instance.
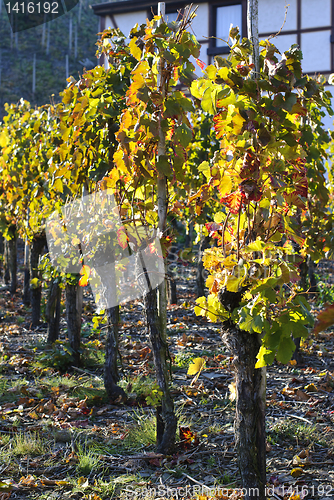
(308, 23)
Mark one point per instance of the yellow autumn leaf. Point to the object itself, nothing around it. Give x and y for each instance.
(219, 217)
(230, 261)
(223, 73)
(311, 388)
(58, 185)
(119, 162)
(296, 472)
(126, 119)
(260, 357)
(233, 391)
(225, 186)
(238, 122)
(83, 482)
(294, 496)
(134, 49)
(4, 139)
(200, 310)
(209, 281)
(196, 366)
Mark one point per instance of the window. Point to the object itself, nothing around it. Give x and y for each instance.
(227, 15)
(221, 18)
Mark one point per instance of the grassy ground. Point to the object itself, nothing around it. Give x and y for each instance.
(60, 437)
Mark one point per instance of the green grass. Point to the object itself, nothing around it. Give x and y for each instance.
(88, 460)
(142, 433)
(59, 355)
(14, 386)
(141, 386)
(29, 443)
(79, 387)
(289, 430)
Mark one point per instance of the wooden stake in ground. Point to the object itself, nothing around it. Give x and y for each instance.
(156, 304)
(37, 245)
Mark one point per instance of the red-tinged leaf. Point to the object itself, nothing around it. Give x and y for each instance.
(300, 182)
(325, 319)
(153, 248)
(122, 237)
(299, 109)
(165, 242)
(233, 201)
(200, 63)
(250, 190)
(85, 272)
(213, 227)
(250, 166)
(244, 69)
(219, 125)
(187, 438)
(293, 199)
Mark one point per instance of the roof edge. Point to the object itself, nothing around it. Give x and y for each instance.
(124, 6)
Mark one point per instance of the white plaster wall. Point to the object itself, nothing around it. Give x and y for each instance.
(226, 16)
(127, 21)
(271, 15)
(172, 16)
(109, 24)
(315, 13)
(316, 51)
(200, 24)
(283, 42)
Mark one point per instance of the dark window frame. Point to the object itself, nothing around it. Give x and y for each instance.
(213, 50)
(299, 31)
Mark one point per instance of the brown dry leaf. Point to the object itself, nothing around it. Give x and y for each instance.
(55, 390)
(72, 458)
(294, 393)
(5, 496)
(304, 453)
(25, 401)
(326, 383)
(48, 482)
(183, 341)
(301, 396)
(83, 403)
(33, 415)
(29, 481)
(49, 408)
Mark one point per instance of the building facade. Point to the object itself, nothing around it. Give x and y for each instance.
(308, 23)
